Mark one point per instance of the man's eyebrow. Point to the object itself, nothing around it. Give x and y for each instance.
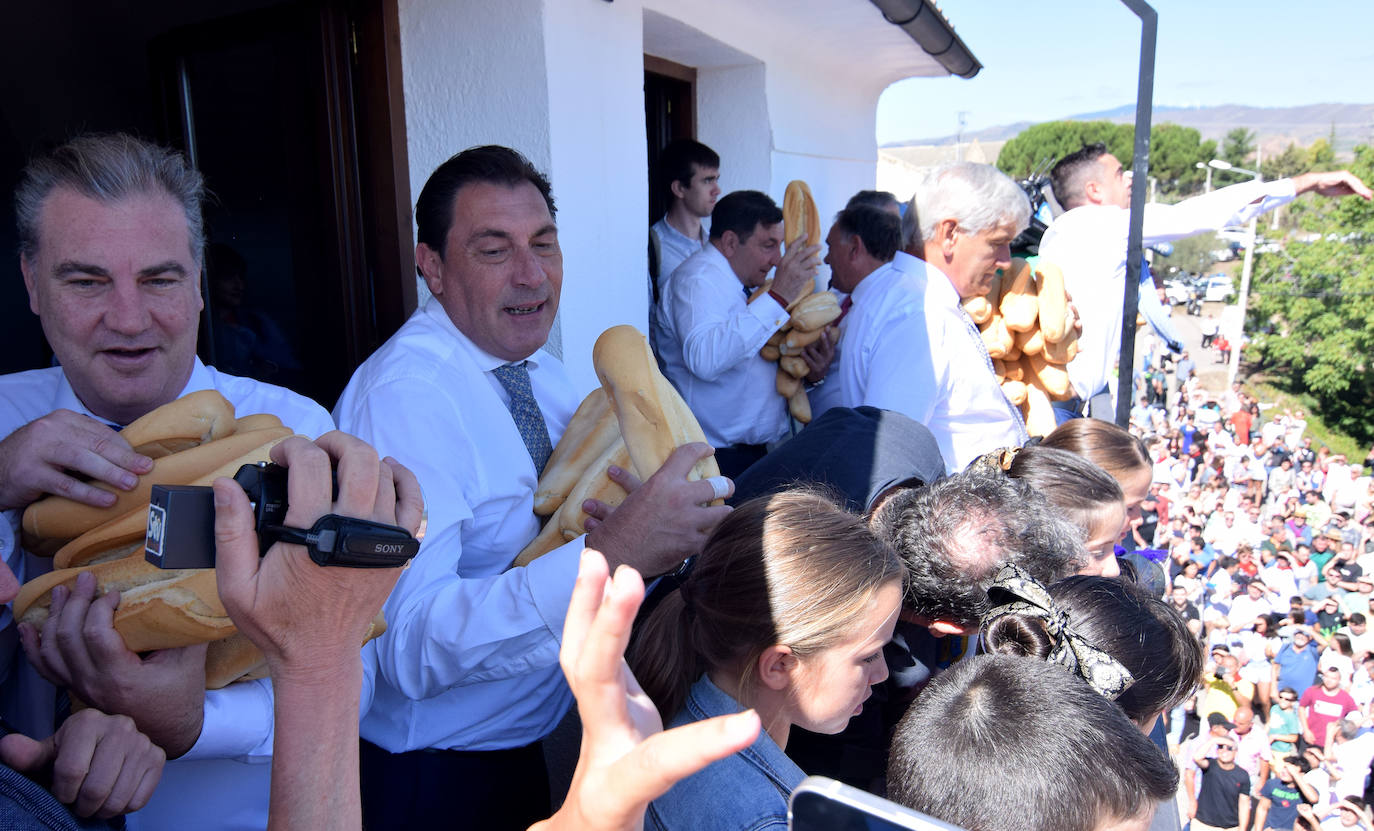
(69, 267)
(162, 268)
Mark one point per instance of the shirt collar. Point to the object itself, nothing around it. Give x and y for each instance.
(878, 278)
(485, 361)
(66, 398)
(940, 286)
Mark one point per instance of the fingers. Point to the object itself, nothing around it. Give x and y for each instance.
(236, 545)
(76, 742)
(712, 488)
(586, 597)
(69, 635)
(600, 667)
(358, 469)
(597, 513)
(138, 765)
(410, 500)
(683, 459)
(26, 755)
(664, 758)
(623, 478)
(309, 488)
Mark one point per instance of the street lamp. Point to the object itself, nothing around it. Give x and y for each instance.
(1202, 166)
(1244, 272)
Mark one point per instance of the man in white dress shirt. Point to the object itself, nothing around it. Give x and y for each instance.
(712, 335)
(908, 345)
(111, 247)
(1088, 243)
(467, 680)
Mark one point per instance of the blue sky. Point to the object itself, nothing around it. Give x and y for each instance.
(1054, 58)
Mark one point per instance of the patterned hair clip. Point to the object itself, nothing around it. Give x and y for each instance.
(1014, 592)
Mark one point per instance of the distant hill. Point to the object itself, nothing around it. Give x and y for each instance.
(1276, 126)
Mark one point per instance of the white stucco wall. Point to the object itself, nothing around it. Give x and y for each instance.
(778, 96)
(595, 63)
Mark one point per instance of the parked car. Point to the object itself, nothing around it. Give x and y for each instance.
(1218, 288)
(1177, 291)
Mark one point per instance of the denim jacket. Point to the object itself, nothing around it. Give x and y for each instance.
(744, 792)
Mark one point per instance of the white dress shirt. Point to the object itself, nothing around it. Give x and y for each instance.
(710, 351)
(222, 782)
(673, 247)
(1089, 244)
(470, 656)
(906, 345)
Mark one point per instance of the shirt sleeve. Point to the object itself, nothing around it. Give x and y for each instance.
(450, 623)
(718, 330)
(238, 723)
(1234, 205)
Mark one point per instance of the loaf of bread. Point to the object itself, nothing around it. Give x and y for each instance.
(193, 419)
(801, 222)
(592, 429)
(57, 517)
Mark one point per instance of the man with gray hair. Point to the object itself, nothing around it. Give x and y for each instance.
(1088, 243)
(953, 536)
(908, 344)
(110, 246)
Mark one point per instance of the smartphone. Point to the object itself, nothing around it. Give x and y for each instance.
(821, 804)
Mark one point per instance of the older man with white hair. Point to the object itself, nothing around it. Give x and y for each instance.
(908, 344)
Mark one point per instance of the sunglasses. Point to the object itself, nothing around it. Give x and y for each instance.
(1287, 698)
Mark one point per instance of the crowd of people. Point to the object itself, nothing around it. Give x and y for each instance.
(1268, 548)
(904, 594)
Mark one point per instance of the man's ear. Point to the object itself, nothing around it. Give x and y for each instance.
(431, 267)
(946, 233)
(729, 244)
(30, 283)
(776, 665)
(677, 189)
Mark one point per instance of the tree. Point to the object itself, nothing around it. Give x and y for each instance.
(1313, 307)
(1174, 154)
(1238, 145)
(1292, 161)
(1053, 140)
(1174, 150)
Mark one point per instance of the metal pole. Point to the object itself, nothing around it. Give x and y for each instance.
(1244, 299)
(1140, 171)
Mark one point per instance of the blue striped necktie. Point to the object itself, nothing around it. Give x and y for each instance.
(524, 409)
(977, 336)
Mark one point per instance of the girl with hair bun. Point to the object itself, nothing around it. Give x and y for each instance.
(785, 611)
(1127, 645)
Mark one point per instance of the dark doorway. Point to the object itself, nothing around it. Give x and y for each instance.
(669, 113)
(265, 106)
(293, 111)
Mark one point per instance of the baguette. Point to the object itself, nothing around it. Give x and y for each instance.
(1019, 306)
(1030, 342)
(794, 365)
(591, 430)
(158, 608)
(594, 484)
(979, 308)
(1052, 378)
(256, 421)
(115, 535)
(1055, 320)
(1015, 391)
(798, 339)
(801, 222)
(654, 420)
(769, 352)
(787, 384)
(816, 311)
(191, 420)
(56, 517)
(1063, 350)
(997, 338)
(800, 406)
